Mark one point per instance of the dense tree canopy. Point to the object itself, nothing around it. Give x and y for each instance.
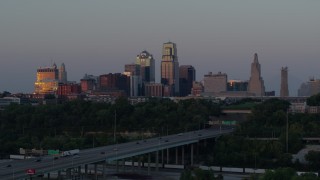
(81, 124)
(314, 100)
(268, 120)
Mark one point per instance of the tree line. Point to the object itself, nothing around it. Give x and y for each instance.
(82, 124)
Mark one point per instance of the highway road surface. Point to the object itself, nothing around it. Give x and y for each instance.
(16, 169)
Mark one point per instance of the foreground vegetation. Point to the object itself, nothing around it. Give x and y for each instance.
(81, 124)
(268, 120)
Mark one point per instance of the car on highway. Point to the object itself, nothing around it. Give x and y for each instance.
(9, 165)
(37, 160)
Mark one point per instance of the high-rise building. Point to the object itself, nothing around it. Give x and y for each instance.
(114, 82)
(147, 66)
(170, 68)
(256, 83)
(304, 90)
(133, 72)
(187, 74)
(63, 74)
(133, 69)
(89, 83)
(215, 83)
(284, 91)
(47, 80)
(309, 88)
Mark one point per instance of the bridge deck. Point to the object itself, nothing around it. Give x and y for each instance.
(48, 164)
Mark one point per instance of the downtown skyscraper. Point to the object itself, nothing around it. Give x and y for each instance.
(284, 90)
(146, 65)
(63, 74)
(187, 74)
(170, 69)
(256, 83)
(47, 80)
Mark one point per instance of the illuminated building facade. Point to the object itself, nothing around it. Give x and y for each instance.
(47, 80)
(170, 69)
(147, 66)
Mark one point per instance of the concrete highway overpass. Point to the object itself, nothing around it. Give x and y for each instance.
(16, 169)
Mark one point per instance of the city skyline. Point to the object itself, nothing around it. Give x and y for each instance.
(101, 37)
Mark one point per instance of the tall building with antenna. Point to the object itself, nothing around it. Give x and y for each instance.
(284, 90)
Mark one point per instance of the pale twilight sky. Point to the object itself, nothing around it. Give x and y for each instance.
(100, 36)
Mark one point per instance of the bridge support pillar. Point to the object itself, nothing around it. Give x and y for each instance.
(132, 164)
(162, 158)
(157, 161)
(95, 171)
(86, 169)
(79, 171)
(168, 156)
(104, 170)
(149, 159)
(177, 155)
(117, 165)
(48, 175)
(59, 175)
(139, 163)
(198, 144)
(123, 165)
(68, 173)
(191, 154)
(182, 159)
